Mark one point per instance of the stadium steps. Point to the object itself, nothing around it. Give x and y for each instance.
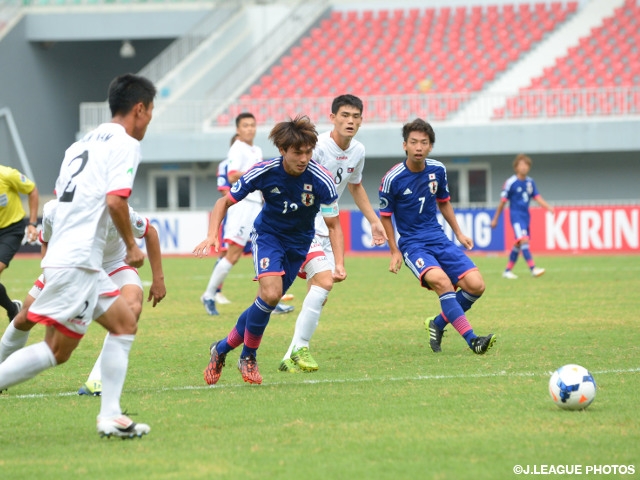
(544, 55)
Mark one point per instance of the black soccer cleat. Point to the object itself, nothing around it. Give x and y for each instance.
(480, 345)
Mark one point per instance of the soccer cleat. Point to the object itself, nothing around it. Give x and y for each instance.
(91, 387)
(287, 297)
(288, 365)
(537, 272)
(435, 334)
(248, 367)
(214, 369)
(18, 305)
(209, 305)
(281, 308)
(121, 426)
(509, 274)
(303, 359)
(220, 299)
(480, 345)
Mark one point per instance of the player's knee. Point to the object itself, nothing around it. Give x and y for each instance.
(323, 280)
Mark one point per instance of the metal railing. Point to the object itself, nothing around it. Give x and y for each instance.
(193, 116)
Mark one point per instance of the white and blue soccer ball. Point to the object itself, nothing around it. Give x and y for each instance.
(572, 387)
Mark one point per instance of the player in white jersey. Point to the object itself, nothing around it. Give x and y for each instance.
(243, 155)
(344, 157)
(124, 276)
(95, 181)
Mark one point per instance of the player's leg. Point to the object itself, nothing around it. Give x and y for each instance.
(116, 316)
(520, 234)
(526, 253)
(10, 241)
(130, 286)
(17, 333)
(318, 271)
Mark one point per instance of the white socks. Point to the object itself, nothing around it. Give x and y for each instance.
(25, 364)
(96, 372)
(114, 363)
(12, 340)
(308, 319)
(220, 272)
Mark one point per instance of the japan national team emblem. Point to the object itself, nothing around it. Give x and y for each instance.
(264, 263)
(432, 176)
(433, 187)
(308, 199)
(420, 263)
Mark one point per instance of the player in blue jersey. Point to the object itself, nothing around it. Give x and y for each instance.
(412, 192)
(518, 190)
(295, 188)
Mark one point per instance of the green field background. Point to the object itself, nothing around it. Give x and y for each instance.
(382, 405)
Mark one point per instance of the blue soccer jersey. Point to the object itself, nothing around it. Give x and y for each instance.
(412, 200)
(290, 203)
(519, 194)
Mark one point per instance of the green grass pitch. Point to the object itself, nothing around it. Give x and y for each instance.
(382, 405)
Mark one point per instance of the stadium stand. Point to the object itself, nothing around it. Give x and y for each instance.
(446, 50)
(602, 59)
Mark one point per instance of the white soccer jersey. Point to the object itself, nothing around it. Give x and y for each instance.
(242, 157)
(115, 250)
(346, 166)
(103, 162)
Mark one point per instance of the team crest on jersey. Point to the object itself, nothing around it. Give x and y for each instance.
(264, 263)
(420, 263)
(235, 188)
(139, 222)
(384, 203)
(350, 170)
(308, 199)
(433, 187)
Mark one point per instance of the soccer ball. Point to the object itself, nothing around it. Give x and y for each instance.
(572, 387)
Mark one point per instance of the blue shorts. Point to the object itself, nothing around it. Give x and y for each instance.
(447, 256)
(520, 225)
(272, 255)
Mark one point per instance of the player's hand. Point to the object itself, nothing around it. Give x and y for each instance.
(157, 292)
(378, 235)
(32, 234)
(494, 223)
(396, 262)
(134, 257)
(339, 274)
(203, 248)
(465, 241)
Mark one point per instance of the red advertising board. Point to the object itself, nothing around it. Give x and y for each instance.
(594, 229)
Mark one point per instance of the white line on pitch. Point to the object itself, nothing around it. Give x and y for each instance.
(333, 380)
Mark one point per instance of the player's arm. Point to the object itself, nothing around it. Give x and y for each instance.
(215, 219)
(543, 203)
(158, 290)
(396, 257)
(359, 194)
(496, 215)
(119, 211)
(32, 230)
(449, 215)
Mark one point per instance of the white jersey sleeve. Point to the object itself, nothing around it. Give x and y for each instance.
(242, 157)
(48, 212)
(115, 249)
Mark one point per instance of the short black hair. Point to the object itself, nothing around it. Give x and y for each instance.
(126, 91)
(419, 125)
(346, 99)
(243, 115)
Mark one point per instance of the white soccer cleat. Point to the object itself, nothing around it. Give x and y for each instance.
(537, 272)
(122, 426)
(509, 274)
(220, 299)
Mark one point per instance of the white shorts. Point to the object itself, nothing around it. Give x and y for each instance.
(125, 275)
(239, 222)
(319, 259)
(72, 298)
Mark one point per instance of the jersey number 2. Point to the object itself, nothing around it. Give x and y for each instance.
(70, 189)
